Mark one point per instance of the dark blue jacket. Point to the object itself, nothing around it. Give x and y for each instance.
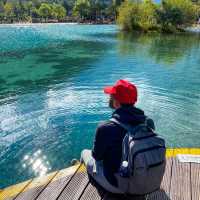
(109, 137)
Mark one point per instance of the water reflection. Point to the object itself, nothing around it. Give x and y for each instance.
(37, 162)
(166, 49)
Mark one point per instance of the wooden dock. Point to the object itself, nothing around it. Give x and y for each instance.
(181, 182)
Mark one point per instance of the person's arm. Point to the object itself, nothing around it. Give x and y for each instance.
(100, 143)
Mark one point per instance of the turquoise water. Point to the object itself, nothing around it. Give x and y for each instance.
(51, 99)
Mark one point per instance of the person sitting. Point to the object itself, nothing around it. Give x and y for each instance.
(104, 160)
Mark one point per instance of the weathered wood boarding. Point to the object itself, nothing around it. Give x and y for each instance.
(181, 182)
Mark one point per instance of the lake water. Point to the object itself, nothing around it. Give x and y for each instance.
(51, 99)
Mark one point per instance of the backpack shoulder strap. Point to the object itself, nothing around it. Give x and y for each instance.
(125, 148)
(125, 126)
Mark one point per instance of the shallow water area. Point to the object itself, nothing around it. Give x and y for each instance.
(51, 98)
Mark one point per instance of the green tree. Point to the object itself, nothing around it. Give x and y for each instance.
(59, 11)
(1, 11)
(82, 8)
(19, 11)
(32, 8)
(111, 11)
(8, 11)
(96, 9)
(174, 14)
(148, 18)
(45, 11)
(137, 16)
(26, 10)
(126, 19)
(170, 16)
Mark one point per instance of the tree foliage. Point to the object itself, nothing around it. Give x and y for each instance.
(59, 11)
(170, 15)
(175, 13)
(45, 11)
(94, 9)
(82, 8)
(8, 9)
(28, 10)
(21, 10)
(138, 15)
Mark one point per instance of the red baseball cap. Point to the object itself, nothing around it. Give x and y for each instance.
(123, 91)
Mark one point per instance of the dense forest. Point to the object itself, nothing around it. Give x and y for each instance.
(168, 16)
(131, 15)
(57, 10)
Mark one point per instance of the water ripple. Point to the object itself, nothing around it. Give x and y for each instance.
(51, 91)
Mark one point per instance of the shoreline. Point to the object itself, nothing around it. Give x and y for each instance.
(87, 22)
(194, 28)
(59, 23)
(21, 23)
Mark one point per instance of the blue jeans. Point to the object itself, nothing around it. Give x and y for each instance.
(95, 169)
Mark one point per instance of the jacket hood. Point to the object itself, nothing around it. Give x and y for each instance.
(129, 115)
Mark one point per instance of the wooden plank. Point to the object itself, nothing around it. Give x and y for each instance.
(180, 183)
(76, 186)
(195, 176)
(93, 192)
(35, 187)
(12, 191)
(195, 181)
(58, 183)
(38, 187)
(165, 185)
